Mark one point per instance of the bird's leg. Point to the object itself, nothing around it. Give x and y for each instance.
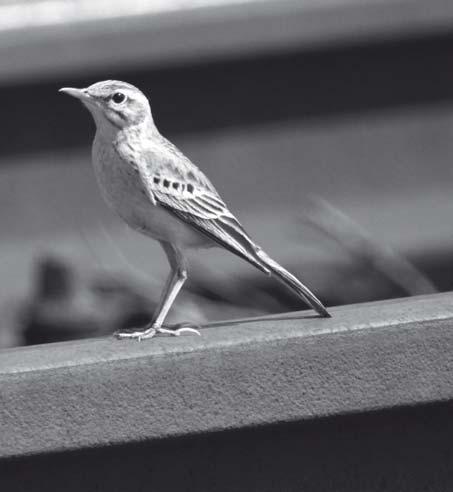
(178, 276)
(175, 281)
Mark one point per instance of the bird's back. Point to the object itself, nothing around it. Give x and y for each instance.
(174, 162)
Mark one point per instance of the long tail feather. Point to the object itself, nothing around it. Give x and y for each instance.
(291, 281)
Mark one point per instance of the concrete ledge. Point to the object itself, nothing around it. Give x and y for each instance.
(279, 369)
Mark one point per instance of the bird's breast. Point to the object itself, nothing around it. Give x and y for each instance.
(120, 185)
(123, 189)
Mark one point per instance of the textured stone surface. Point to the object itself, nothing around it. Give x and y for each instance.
(294, 368)
(406, 450)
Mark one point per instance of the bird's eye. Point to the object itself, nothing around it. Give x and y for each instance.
(118, 97)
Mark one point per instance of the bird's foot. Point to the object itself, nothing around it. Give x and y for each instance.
(152, 331)
(138, 335)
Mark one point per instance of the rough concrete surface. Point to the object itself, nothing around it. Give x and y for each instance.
(294, 368)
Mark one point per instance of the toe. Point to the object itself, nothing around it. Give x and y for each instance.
(135, 335)
(187, 329)
(148, 334)
(176, 332)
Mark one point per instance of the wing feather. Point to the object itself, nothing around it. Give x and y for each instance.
(172, 181)
(222, 227)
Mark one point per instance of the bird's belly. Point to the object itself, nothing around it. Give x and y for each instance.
(163, 225)
(123, 190)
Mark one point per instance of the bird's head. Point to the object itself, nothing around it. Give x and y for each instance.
(115, 105)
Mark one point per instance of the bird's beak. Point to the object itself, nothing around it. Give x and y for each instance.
(77, 93)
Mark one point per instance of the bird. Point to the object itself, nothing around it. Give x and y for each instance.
(160, 193)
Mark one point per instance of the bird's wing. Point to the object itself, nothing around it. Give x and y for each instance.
(180, 187)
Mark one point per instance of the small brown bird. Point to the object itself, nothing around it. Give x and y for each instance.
(159, 192)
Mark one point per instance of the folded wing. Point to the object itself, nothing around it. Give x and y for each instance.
(206, 212)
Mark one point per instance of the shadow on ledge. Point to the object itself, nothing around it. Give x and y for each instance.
(401, 450)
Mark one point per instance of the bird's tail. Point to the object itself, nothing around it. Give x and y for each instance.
(291, 281)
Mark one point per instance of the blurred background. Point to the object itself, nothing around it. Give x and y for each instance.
(326, 125)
